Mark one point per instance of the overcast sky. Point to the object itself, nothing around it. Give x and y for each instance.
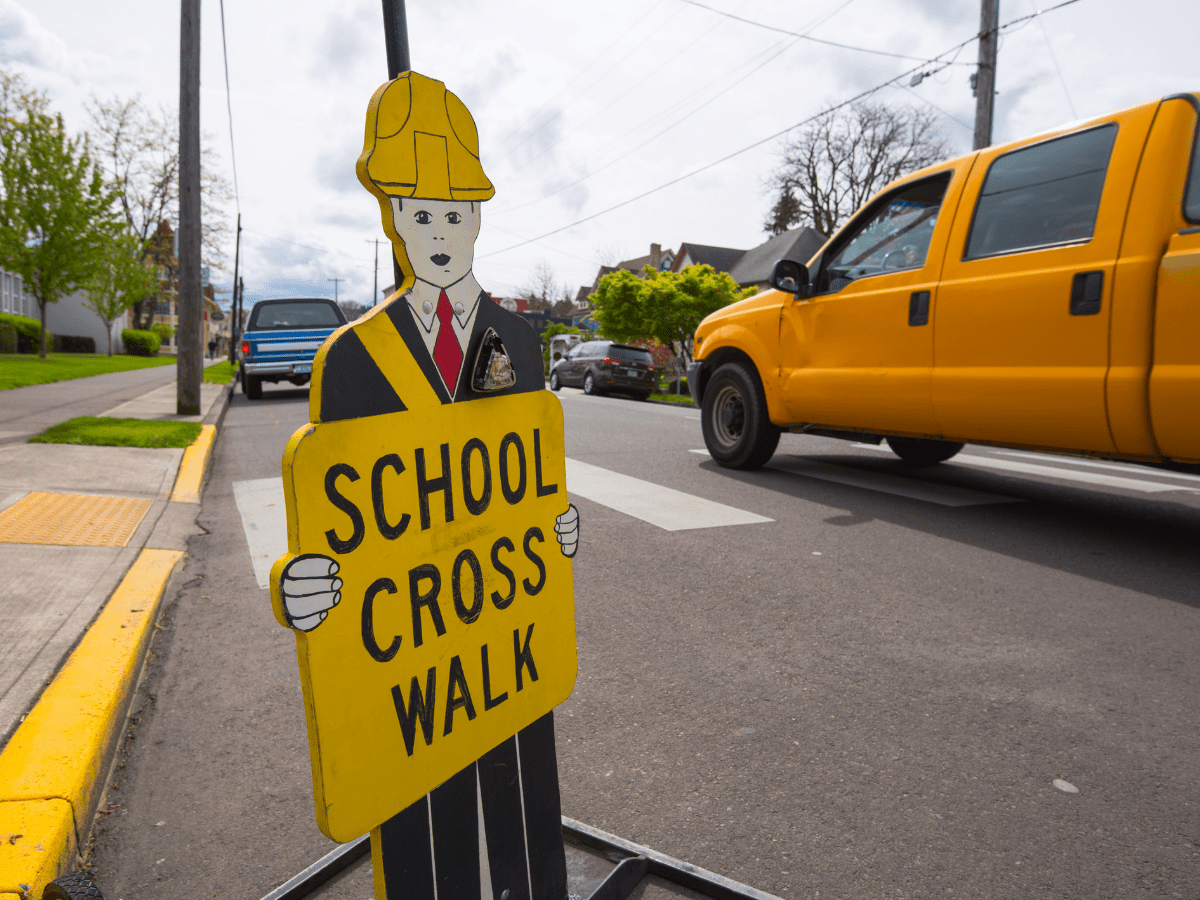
(580, 106)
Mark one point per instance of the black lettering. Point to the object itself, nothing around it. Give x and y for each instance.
(427, 486)
(488, 702)
(500, 602)
(524, 659)
(419, 707)
(543, 490)
(532, 589)
(336, 544)
(457, 685)
(429, 599)
(368, 623)
(476, 505)
(512, 439)
(389, 531)
(468, 615)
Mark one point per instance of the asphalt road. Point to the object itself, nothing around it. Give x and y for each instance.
(871, 695)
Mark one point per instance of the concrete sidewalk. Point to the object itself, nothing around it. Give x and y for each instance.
(80, 526)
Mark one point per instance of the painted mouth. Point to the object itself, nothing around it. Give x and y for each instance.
(440, 259)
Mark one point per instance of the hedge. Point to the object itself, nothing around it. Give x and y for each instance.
(74, 343)
(140, 343)
(163, 330)
(29, 333)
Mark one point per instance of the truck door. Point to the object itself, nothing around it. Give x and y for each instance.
(1175, 378)
(1021, 347)
(859, 352)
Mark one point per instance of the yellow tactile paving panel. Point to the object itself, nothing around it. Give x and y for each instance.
(73, 520)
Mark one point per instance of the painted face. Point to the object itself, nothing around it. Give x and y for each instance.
(439, 237)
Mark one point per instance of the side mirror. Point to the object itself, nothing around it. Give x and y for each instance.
(790, 277)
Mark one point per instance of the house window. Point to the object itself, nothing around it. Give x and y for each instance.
(6, 299)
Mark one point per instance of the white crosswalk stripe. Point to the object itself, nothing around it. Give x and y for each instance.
(665, 507)
(264, 519)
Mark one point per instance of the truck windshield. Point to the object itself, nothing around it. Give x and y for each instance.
(300, 314)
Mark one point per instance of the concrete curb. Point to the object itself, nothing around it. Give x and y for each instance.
(54, 769)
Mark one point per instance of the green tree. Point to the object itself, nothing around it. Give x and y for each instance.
(56, 215)
(663, 306)
(123, 281)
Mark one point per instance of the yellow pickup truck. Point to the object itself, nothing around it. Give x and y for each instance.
(1042, 294)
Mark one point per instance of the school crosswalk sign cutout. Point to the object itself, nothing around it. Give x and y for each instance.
(428, 578)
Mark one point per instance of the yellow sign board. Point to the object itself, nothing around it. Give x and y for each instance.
(448, 623)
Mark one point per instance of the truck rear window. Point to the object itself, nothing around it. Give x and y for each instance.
(630, 354)
(300, 314)
(1042, 195)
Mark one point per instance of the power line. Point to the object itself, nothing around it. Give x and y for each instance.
(229, 107)
(1054, 59)
(272, 237)
(806, 37)
(768, 57)
(769, 138)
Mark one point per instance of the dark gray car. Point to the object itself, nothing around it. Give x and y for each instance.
(603, 366)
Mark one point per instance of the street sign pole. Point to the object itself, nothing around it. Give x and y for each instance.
(395, 37)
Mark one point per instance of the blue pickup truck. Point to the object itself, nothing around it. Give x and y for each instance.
(281, 339)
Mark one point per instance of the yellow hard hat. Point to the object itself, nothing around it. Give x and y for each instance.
(421, 142)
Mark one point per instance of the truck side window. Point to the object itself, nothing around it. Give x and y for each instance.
(893, 236)
(1191, 196)
(1043, 195)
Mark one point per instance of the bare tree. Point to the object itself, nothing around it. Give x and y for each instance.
(541, 290)
(139, 148)
(844, 157)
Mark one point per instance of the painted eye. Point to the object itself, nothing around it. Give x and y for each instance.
(453, 218)
(423, 218)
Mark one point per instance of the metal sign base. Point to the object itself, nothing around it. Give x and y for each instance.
(633, 863)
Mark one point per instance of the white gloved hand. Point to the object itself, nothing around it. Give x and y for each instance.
(566, 527)
(309, 590)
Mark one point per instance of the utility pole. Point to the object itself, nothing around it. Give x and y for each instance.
(241, 319)
(985, 75)
(335, 284)
(190, 361)
(375, 293)
(237, 252)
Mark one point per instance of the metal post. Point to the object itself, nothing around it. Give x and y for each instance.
(985, 83)
(190, 363)
(335, 284)
(395, 37)
(237, 252)
(375, 292)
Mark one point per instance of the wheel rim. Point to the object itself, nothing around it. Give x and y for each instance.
(587, 385)
(554, 381)
(728, 416)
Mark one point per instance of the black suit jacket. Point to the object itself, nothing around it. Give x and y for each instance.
(352, 385)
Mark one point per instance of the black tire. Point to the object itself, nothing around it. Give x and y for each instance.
(641, 396)
(737, 430)
(589, 385)
(72, 886)
(919, 453)
(253, 387)
(555, 384)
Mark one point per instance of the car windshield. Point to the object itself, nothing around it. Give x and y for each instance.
(297, 314)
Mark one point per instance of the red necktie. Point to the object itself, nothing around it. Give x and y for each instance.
(447, 354)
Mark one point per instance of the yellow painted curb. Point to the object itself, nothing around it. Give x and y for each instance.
(63, 749)
(195, 462)
(37, 844)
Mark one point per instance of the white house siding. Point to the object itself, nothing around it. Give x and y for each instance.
(68, 316)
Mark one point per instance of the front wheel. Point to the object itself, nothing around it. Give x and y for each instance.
(737, 430)
(920, 453)
(555, 384)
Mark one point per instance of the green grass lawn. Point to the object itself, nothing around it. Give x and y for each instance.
(674, 398)
(103, 432)
(22, 369)
(221, 373)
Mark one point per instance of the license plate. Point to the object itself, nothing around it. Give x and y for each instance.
(302, 368)
(632, 373)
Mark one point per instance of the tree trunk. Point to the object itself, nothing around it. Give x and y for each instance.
(42, 308)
